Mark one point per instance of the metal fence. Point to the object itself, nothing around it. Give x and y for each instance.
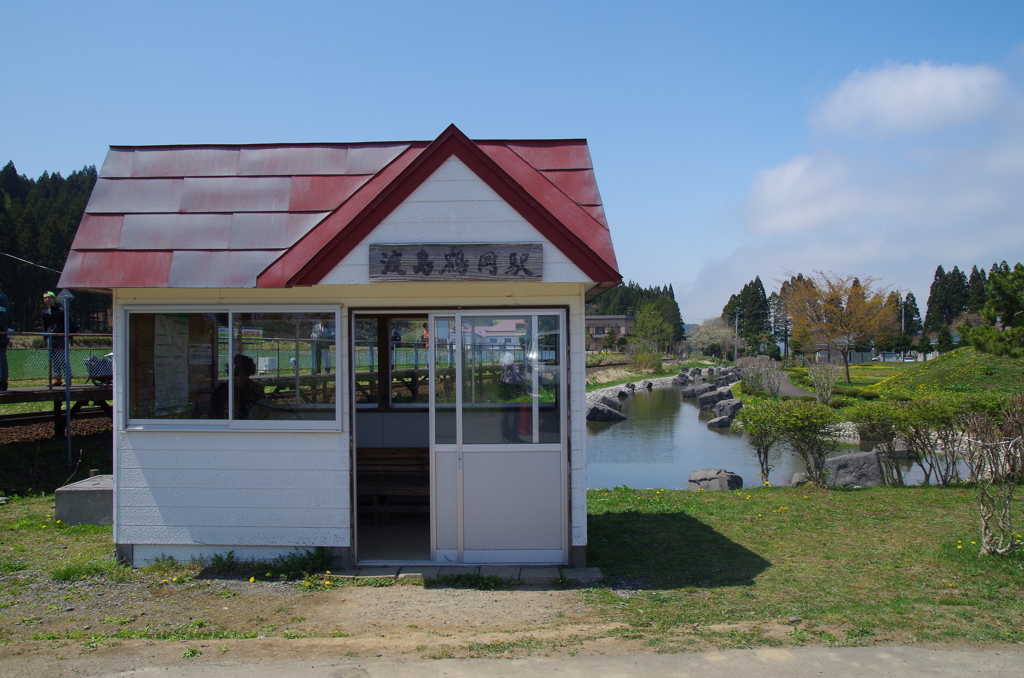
(38, 365)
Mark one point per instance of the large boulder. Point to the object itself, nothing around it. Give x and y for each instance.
(720, 422)
(728, 408)
(706, 401)
(861, 469)
(601, 412)
(714, 479)
(680, 380)
(603, 398)
(646, 385)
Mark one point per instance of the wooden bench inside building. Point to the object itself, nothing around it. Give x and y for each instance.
(392, 480)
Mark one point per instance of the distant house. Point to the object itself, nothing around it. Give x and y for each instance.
(240, 425)
(598, 327)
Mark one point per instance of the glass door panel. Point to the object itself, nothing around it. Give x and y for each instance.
(443, 382)
(365, 361)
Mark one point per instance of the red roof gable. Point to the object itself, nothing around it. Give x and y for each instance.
(287, 214)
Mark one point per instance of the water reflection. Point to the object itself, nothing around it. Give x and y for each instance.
(663, 440)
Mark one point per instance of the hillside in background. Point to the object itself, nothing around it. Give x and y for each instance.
(961, 371)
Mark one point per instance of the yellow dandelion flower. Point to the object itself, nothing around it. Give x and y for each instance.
(252, 579)
(327, 583)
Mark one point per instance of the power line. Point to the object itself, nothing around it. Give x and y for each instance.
(25, 261)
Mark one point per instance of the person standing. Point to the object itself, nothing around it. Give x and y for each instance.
(6, 325)
(53, 327)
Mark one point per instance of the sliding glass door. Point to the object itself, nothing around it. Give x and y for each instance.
(498, 436)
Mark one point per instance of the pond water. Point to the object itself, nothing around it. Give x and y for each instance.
(663, 440)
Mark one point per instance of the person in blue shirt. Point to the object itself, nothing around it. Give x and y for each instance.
(6, 325)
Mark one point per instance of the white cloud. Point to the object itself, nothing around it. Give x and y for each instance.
(805, 193)
(911, 99)
(893, 209)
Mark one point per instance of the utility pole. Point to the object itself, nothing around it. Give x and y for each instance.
(65, 298)
(903, 325)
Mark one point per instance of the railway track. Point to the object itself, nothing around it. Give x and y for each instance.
(30, 418)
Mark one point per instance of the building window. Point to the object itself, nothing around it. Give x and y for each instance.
(237, 368)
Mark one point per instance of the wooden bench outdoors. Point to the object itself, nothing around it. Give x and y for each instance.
(392, 480)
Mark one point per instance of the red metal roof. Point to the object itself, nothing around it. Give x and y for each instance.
(286, 214)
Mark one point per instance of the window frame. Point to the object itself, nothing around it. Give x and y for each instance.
(312, 425)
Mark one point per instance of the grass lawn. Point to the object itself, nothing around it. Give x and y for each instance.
(690, 570)
(961, 371)
(859, 566)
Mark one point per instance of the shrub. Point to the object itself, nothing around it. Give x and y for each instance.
(877, 423)
(995, 453)
(870, 395)
(761, 426)
(838, 403)
(811, 429)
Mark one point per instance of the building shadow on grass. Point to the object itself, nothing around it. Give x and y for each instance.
(667, 550)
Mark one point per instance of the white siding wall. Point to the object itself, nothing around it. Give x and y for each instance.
(230, 488)
(577, 425)
(454, 205)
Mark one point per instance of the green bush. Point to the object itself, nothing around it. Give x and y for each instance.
(812, 431)
(838, 403)
(870, 395)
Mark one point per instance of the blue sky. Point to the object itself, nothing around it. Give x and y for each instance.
(730, 139)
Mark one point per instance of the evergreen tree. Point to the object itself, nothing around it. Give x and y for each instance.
(911, 319)
(944, 342)
(754, 317)
(629, 298)
(948, 298)
(958, 293)
(936, 298)
(1003, 312)
(923, 345)
(976, 293)
(38, 222)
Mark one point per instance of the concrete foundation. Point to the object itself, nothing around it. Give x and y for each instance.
(89, 501)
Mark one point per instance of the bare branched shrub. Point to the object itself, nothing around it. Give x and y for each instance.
(824, 376)
(761, 373)
(995, 454)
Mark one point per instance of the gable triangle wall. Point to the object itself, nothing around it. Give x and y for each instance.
(453, 205)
